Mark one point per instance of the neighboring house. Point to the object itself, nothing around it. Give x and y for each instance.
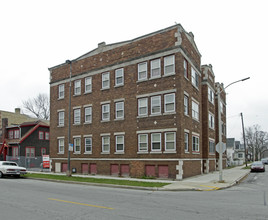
(144, 107)
(26, 143)
(239, 154)
(230, 148)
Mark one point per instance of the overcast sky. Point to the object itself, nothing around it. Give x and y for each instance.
(231, 35)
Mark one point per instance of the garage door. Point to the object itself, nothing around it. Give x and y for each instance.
(93, 168)
(163, 171)
(150, 170)
(64, 167)
(114, 169)
(84, 168)
(124, 169)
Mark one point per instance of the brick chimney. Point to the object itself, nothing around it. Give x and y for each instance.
(17, 110)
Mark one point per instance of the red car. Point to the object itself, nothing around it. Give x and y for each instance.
(257, 166)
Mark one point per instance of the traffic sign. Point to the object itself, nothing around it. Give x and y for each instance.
(223, 147)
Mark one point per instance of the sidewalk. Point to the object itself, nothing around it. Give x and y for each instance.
(204, 182)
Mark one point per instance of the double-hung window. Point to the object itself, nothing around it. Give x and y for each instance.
(195, 110)
(77, 87)
(88, 114)
(15, 152)
(169, 102)
(16, 133)
(106, 112)
(88, 145)
(119, 110)
(186, 141)
(195, 143)
(195, 78)
(105, 144)
(186, 104)
(119, 142)
(88, 85)
(143, 142)
(185, 68)
(155, 68)
(156, 141)
(142, 71)
(211, 121)
(156, 105)
(106, 80)
(170, 141)
(61, 145)
(211, 146)
(210, 95)
(61, 91)
(77, 116)
(41, 135)
(169, 65)
(77, 145)
(119, 77)
(61, 118)
(30, 152)
(143, 107)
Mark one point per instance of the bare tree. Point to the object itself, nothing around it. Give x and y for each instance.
(257, 141)
(38, 106)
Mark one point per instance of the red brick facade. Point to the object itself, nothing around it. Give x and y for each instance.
(127, 108)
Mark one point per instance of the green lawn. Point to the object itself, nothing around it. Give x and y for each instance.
(95, 180)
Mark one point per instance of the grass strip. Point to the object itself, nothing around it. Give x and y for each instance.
(95, 180)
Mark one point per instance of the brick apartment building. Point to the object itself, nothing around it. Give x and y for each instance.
(144, 107)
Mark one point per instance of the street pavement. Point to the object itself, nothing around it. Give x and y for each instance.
(204, 182)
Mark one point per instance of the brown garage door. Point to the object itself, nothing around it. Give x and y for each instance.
(150, 170)
(124, 169)
(114, 169)
(64, 167)
(163, 171)
(93, 168)
(84, 168)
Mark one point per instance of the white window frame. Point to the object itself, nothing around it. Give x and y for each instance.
(142, 70)
(105, 110)
(211, 95)
(195, 143)
(169, 61)
(119, 74)
(88, 114)
(143, 106)
(186, 104)
(88, 84)
(195, 78)
(186, 141)
(105, 80)
(155, 103)
(211, 146)
(166, 102)
(61, 89)
(155, 142)
(155, 68)
(142, 143)
(211, 121)
(77, 145)
(61, 118)
(185, 69)
(77, 87)
(77, 116)
(119, 109)
(170, 141)
(103, 144)
(61, 145)
(88, 146)
(195, 110)
(117, 143)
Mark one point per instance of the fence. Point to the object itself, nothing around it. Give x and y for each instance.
(30, 163)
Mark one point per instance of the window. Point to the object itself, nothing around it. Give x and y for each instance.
(41, 135)
(156, 141)
(61, 91)
(106, 80)
(156, 105)
(88, 85)
(211, 147)
(195, 143)
(61, 118)
(143, 107)
(30, 152)
(119, 110)
(88, 145)
(77, 87)
(240, 155)
(119, 141)
(105, 144)
(77, 145)
(119, 77)
(186, 104)
(10, 134)
(17, 133)
(142, 71)
(211, 121)
(77, 116)
(143, 142)
(15, 152)
(169, 65)
(88, 114)
(185, 68)
(221, 107)
(170, 102)
(106, 112)
(210, 95)
(186, 141)
(61, 145)
(43, 151)
(195, 78)
(170, 141)
(47, 135)
(195, 110)
(155, 68)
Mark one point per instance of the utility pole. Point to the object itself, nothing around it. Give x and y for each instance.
(245, 146)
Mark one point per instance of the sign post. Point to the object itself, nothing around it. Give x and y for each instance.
(46, 162)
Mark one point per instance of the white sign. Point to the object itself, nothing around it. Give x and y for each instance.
(223, 146)
(71, 147)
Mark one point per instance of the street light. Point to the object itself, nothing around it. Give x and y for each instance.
(68, 173)
(219, 124)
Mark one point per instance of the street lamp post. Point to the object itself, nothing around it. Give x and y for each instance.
(219, 91)
(68, 173)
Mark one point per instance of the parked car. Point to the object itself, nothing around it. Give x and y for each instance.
(264, 160)
(8, 168)
(257, 166)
